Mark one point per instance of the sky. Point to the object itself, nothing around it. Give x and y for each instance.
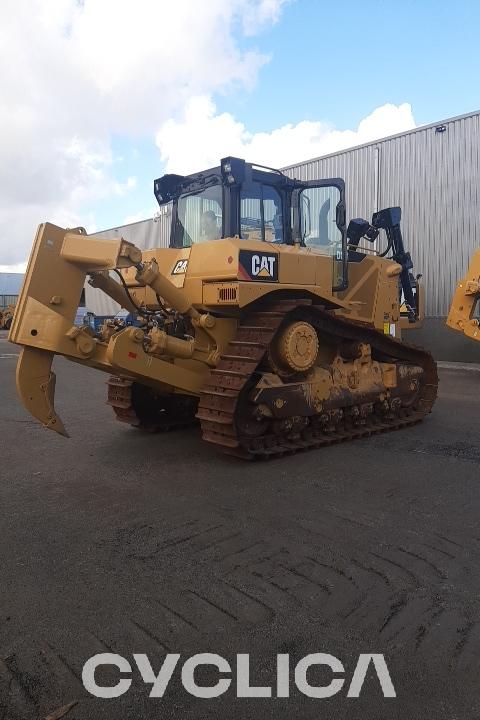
(100, 97)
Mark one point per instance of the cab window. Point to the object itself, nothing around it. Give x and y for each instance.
(261, 214)
(199, 217)
(319, 229)
(318, 216)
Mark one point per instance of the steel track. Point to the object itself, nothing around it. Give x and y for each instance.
(172, 416)
(230, 381)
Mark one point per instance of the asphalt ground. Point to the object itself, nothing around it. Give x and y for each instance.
(118, 541)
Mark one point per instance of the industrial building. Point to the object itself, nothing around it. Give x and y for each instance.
(10, 284)
(433, 173)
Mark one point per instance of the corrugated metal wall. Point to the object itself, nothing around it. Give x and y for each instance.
(361, 167)
(147, 234)
(435, 178)
(6, 300)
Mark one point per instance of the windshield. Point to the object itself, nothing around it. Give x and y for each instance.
(261, 216)
(199, 217)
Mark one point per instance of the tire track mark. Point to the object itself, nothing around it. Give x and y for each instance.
(299, 574)
(423, 631)
(145, 545)
(449, 540)
(465, 633)
(102, 643)
(276, 597)
(213, 604)
(312, 531)
(442, 552)
(241, 591)
(395, 609)
(334, 569)
(440, 573)
(180, 541)
(217, 542)
(373, 570)
(161, 643)
(175, 613)
(419, 636)
(283, 590)
(353, 521)
(71, 670)
(408, 572)
(240, 550)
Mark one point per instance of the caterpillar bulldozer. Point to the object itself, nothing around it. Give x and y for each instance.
(6, 317)
(465, 302)
(267, 319)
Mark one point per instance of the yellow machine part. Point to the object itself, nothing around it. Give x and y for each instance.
(465, 301)
(36, 387)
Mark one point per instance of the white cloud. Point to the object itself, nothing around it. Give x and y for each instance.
(122, 188)
(73, 74)
(221, 135)
(17, 268)
(258, 14)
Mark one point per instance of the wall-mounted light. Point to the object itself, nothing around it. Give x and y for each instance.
(441, 129)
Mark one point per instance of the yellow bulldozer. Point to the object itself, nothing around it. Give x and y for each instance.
(6, 317)
(465, 302)
(267, 319)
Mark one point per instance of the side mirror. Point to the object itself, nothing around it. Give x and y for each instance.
(340, 215)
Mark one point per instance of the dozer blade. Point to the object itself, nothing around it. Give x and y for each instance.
(36, 387)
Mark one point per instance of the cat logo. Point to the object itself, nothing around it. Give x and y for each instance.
(263, 265)
(180, 267)
(258, 266)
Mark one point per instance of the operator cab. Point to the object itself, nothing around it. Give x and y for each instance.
(257, 203)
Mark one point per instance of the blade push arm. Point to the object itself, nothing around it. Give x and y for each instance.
(389, 220)
(465, 300)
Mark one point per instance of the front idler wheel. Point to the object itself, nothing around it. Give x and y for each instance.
(295, 349)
